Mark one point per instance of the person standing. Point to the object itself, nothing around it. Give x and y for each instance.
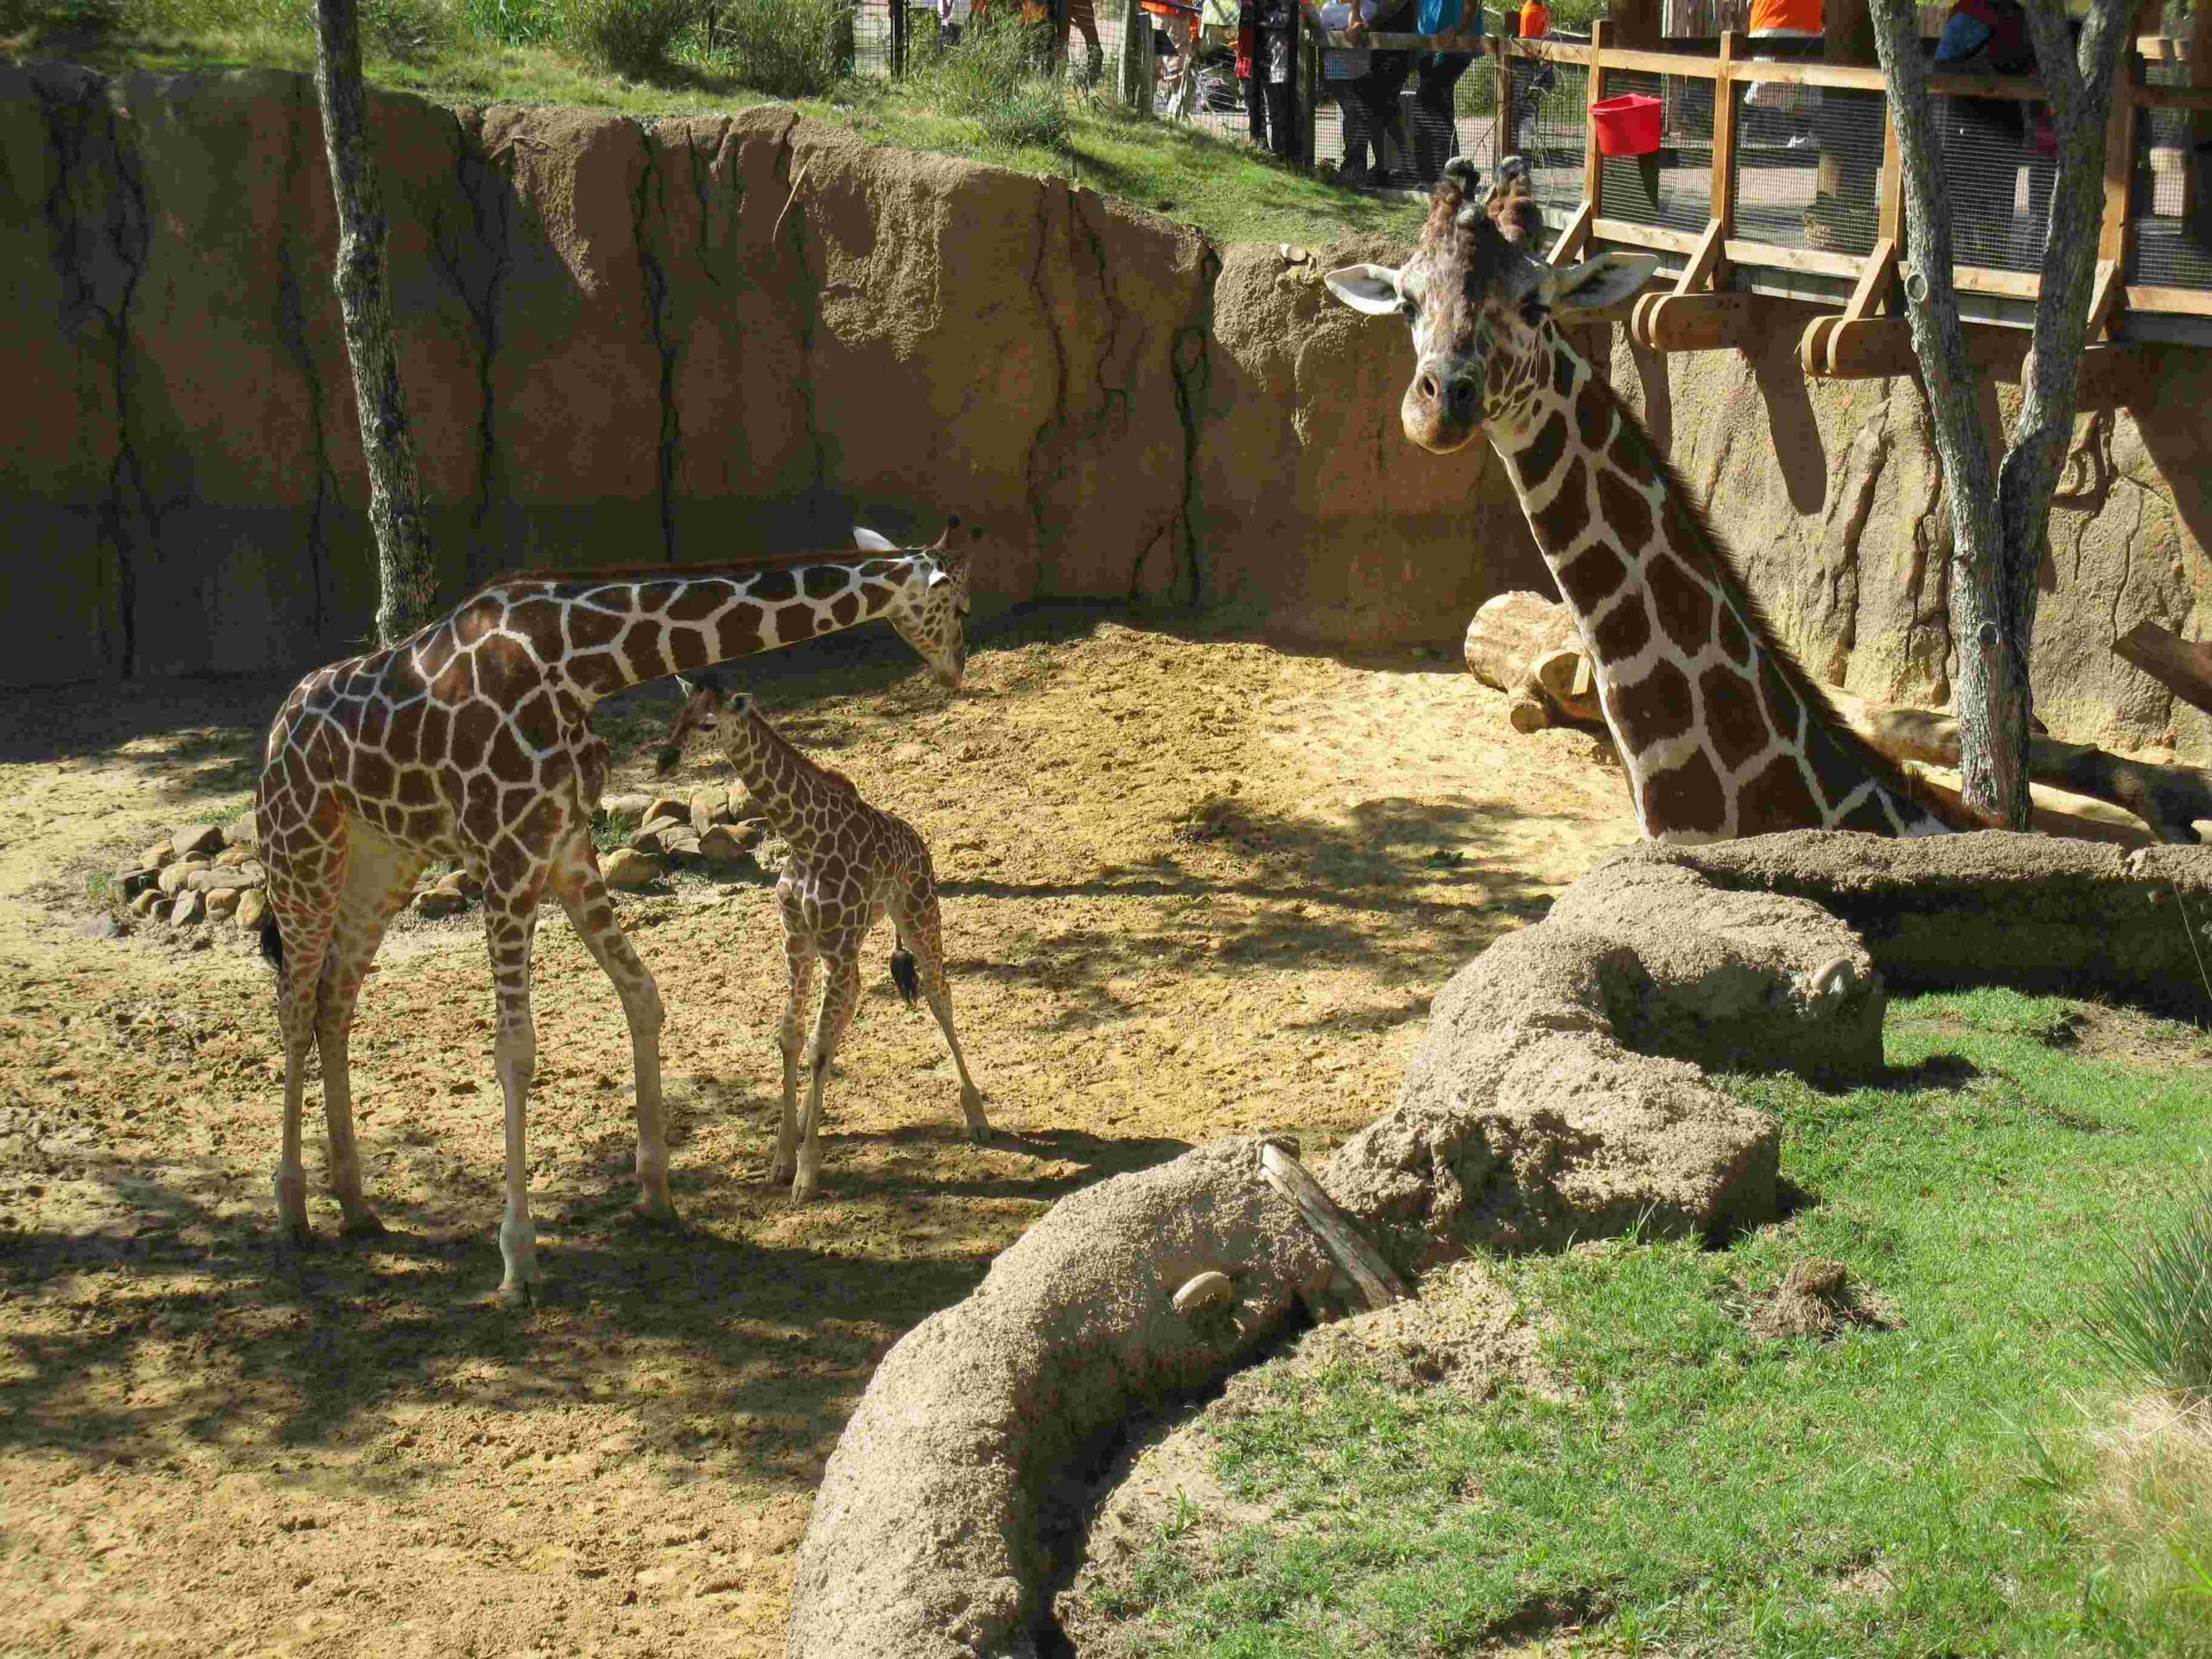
(1436, 77)
(1378, 89)
(1785, 20)
(1341, 69)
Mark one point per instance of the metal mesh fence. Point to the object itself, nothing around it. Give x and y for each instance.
(1673, 185)
(1808, 170)
(2170, 200)
(879, 28)
(1548, 101)
(1999, 167)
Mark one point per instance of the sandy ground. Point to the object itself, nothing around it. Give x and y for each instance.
(1193, 886)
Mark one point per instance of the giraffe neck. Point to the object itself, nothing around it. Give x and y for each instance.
(1721, 730)
(802, 801)
(599, 632)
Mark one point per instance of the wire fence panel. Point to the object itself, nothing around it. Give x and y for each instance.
(2169, 204)
(1673, 185)
(1809, 170)
(878, 27)
(1548, 101)
(1999, 163)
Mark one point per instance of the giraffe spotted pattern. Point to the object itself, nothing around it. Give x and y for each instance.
(1721, 730)
(472, 741)
(850, 865)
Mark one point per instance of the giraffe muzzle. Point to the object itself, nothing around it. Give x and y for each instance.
(1443, 406)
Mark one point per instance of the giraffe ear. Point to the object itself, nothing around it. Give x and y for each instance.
(938, 574)
(1597, 284)
(1371, 288)
(868, 542)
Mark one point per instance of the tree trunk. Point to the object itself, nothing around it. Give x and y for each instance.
(1999, 523)
(406, 583)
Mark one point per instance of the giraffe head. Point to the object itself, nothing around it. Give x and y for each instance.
(1483, 310)
(930, 611)
(708, 700)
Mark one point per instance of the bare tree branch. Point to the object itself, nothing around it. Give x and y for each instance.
(407, 581)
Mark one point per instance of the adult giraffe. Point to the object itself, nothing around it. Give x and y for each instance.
(472, 740)
(1721, 731)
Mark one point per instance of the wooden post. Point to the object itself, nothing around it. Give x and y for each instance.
(1723, 145)
(2120, 142)
(1505, 136)
(1601, 36)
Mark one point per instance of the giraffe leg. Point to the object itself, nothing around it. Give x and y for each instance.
(509, 922)
(379, 877)
(840, 995)
(304, 903)
(921, 931)
(799, 970)
(577, 883)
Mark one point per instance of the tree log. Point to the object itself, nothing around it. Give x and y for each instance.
(2169, 800)
(1364, 1280)
(1511, 632)
(1563, 676)
(2182, 666)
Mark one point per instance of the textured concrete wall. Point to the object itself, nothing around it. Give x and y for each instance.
(624, 341)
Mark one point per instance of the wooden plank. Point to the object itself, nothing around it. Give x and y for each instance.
(1704, 261)
(1697, 322)
(1570, 241)
(1813, 346)
(2105, 299)
(1507, 139)
(1593, 164)
(2172, 98)
(2010, 284)
(1874, 281)
(1368, 1278)
(1815, 260)
(2182, 666)
(1639, 319)
(1644, 236)
(1723, 152)
(1664, 63)
(1891, 218)
(2184, 301)
(2120, 170)
(1552, 51)
(1881, 348)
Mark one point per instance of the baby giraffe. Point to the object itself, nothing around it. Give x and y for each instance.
(849, 864)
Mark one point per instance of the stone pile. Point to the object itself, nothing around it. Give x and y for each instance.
(713, 829)
(198, 874)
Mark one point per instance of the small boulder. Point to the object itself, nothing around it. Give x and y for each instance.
(223, 902)
(628, 806)
(100, 927)
(232, 857)
(134, 878)
(174, 878)
(653, 837)
(221, 877)
(750, 832)
(147, 901)
(204, 839)
(435, 902)
(667, 806)
(1202, 1292)
(159, 854)
(709, 807)
(680, 843)
(720, 845)
(253, 911)
(627, 870)
(189, 908)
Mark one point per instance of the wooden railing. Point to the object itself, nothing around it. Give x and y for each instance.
(1701, 308)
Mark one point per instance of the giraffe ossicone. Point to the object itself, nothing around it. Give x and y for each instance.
(850, 865)
(472, 740)
(1721, 732)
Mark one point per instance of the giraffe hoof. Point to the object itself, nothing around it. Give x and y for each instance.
(517, 1296)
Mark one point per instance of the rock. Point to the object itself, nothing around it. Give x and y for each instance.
(1203, 1292)
(627, 806)
(750, 832)
(147, 901)
(721, 845)
(223, 902)
(189, 908)
(100, 927)
(680, 843)
(709, 807)
(653, 837)
(133, 879)
(232, 856)
(176, 877)
(253, 911)
(627, 870)
(435, 902)
(667, 806)
(159, 854)
(245, 833)
(460, 883)
(204, 839)
(219, 878)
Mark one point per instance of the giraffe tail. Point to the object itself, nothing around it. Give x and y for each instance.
(272, 943)
(902, 975)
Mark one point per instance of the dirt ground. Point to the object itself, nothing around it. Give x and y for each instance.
(1193, 886)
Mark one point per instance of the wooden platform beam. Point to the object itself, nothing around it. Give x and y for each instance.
(1692, 322)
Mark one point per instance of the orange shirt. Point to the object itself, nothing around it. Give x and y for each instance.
(1804, 15)
(1535, 20)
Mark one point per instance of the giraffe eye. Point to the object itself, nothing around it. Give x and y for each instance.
(1532, 310)
(1408, 306)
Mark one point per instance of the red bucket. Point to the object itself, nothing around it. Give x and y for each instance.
(1627, 125)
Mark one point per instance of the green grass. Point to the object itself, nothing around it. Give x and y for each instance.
(1946, 1485)
(525, 51)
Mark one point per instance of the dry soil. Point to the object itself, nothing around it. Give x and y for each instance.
(1193, 884)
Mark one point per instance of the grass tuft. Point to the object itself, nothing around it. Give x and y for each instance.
(2152, 1319)
(632, 37)
(996, 78)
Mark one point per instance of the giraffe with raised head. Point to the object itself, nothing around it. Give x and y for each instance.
(472, 740)
(1721, 730)
(850, 865)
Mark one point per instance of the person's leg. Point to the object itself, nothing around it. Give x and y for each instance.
(1353, 169)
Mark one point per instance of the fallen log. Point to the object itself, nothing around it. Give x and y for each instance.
(1527, 646)
(2169, 798)
(2182, 666)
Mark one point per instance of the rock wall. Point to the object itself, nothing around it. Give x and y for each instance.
(713, 337)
